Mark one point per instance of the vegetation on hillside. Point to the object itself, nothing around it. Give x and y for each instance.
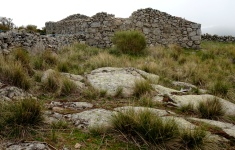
(211, 68)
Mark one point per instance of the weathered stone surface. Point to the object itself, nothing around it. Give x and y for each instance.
(192, 33)
(183, 84)
(157, 112)
(146, 30)
(183, 124)
(163, 90)
(196, 26)
(157, 31)
(72, 105)
(46, 74)
(139, 24)
(93, 117)
(196, 38)
(95, 24)
(27, 146)
(226, 127)
(110, 79)
(9, 93)
(195, 99)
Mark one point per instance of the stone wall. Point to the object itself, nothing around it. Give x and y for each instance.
(158, 27)
(35, 41)
(225, 39)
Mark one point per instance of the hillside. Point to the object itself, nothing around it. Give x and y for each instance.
(93, 98)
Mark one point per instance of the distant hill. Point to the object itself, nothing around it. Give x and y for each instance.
(219, 30)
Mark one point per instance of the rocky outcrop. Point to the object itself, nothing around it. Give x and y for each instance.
(9, 93)
(158, 27)
(110, 79)
(72, 77)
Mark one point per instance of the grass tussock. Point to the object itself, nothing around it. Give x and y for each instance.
(19, 118)
(14, 73)
(146, 100)
(187, 108)
(156, 132)
(142, 87)
(211, 109)
(130, 42)
(62, 124)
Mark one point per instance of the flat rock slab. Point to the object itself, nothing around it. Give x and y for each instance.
(92, 117)
(27, 146)
(110, 79)
(72, 105)
(195, 99)
(183, 124)
(11, 92)
(164, 90)
(157, 112)
(226, 127)
(72, 77)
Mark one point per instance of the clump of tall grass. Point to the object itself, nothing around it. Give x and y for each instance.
(211, 109)
(158, 133)
(187, 108)
(20, 117)
(63, 67)
(146, 100)
(50, 57)
(220, 88)
(14, 73)
(142, 87)
(67, 86)
(130, 42)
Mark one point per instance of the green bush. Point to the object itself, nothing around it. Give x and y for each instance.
(67, 86)
(20, 117)
(130, 42)
(220, 88)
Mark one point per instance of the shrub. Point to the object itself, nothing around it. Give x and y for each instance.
(21, 117)
(142, 87)
(211, 109)
(130, 42)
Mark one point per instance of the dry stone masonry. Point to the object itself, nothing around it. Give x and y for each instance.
(216, 38)
(34, 41)
(158, 27)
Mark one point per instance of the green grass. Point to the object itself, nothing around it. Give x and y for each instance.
(146, 101)
(187, 108)
(130, 42)
(142, 87)
(211, 109)
(20, 117)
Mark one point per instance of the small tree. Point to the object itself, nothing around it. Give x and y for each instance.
(31, 28)
(6, 23)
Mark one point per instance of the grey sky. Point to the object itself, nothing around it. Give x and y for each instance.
(216, 16)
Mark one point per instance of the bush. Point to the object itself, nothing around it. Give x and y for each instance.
(142, 87)
(130, 42)
(211, 109)
(18, 118)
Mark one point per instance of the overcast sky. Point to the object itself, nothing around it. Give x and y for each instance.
(216, 16)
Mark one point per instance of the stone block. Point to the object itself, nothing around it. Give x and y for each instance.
(190, 43)
(146, 30)
(192, 33)
(139, 24)
(198, 31)
(157, 31)
(197, 42)
(91, 30)
(196, 26)
(196, 38)
(189, 29)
